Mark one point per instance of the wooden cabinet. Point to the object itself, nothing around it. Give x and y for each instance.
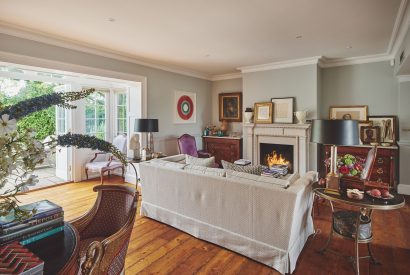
(385, 169)
(223, 148)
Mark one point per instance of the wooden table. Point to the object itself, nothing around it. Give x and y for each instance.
(59, 252)
(364, 211)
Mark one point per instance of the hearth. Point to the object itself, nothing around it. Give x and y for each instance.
(276, 154)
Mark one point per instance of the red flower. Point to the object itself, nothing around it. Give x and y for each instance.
(344, 169)
(357, 166)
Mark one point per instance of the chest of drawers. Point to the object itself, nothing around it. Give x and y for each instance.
(223, 148)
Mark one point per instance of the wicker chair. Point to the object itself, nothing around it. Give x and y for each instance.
(105, 230)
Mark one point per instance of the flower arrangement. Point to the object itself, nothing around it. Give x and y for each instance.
(20, 152)
(348, 165)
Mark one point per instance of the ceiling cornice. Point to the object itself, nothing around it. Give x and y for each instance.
(336, 62)
(398, 31)
(226, 76)
(281, 64)
(41, 37)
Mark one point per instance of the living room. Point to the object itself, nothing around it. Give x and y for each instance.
(321, 55)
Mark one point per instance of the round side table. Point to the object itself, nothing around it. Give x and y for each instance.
(346, 223)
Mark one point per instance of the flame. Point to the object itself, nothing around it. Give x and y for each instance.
(275, 159)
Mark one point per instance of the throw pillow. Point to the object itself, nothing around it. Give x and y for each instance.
(250, 169)
(168, 164)
(207, 162)
(205, 170)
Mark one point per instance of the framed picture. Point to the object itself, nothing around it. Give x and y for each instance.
(230, 107)
(283, 109)
(370, 134)
(263, 112)
(388, 127)
(348, 112)
(185, 107)
(363, 124)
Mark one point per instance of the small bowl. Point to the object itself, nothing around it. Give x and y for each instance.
(374, 143)
(386, 144)
(354, 195)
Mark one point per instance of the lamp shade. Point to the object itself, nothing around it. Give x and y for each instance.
(146, 125)
(335, 132)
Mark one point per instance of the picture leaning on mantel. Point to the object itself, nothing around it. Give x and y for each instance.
(283, 109)
(263, 112)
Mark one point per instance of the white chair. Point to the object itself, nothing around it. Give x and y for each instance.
(108, 164)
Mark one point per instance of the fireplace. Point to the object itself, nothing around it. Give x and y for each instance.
(276, 154)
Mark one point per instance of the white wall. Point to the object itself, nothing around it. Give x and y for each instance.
(404, 121)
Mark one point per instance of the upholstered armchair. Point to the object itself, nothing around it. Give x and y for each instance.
(110, 163)
(187, 145)
(105, 230)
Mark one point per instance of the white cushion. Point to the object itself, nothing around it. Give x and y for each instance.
(282, 182)
(196, 169)
(207, 162)
(168, 164)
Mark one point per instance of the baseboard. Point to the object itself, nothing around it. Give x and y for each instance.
(403, 189)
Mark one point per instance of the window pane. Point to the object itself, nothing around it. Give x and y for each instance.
(89, 111)
(100, 125)
(89, 126)
(100, 112)
(121, 112)
(122, 99)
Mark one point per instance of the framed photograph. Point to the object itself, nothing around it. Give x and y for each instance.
(230, 107)
(263, 112)
(370, 134)
(349, 112)
(283, 109)
(363, 124)
(184, 107)
(388, 127)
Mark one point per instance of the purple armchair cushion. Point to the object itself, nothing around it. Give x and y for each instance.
(187, 145)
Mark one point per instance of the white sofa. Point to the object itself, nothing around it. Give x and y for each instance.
(262, 221)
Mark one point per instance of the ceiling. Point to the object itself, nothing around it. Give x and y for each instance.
(214, 37)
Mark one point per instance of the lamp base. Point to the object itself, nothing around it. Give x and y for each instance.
(332, 183)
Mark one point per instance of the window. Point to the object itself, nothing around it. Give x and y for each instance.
(95, 115)
(121, 115)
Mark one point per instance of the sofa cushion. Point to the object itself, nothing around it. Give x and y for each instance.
(284, 182)
(206, 162)
(197, 169)
(168, 164)
(250, 169)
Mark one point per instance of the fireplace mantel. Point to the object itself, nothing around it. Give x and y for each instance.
(297, 135)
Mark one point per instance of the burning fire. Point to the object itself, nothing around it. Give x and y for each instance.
(275, 159)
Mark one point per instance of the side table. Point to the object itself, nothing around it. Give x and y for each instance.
(355, 225)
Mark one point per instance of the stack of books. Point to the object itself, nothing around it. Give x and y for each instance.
(242, 162)
(275, 171)
(47, 220)
(16, 259)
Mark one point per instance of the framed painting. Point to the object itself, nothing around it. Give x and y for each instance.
(349, 112)
(283, 109)
(370, 134)
(263, 112)
(388, 127)
(185, 107)
(230, 107)
(360, 125)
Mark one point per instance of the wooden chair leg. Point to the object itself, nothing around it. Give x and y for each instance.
(122, 169)
(86, 173)
(102, 175)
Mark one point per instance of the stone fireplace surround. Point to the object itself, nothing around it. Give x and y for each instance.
(297, 135)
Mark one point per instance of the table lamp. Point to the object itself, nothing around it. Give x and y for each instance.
(334, 132)
(147, 125)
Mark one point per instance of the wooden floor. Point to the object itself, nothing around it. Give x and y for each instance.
(156, 248)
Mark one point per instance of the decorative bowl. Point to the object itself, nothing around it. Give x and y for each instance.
(355, 194)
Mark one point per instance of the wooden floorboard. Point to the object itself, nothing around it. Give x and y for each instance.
(157, 248)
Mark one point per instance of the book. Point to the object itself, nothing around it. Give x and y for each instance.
(16, 259)
(29, 223)
(31, 231)
(42, 235)
(43, 208)
(242, 162)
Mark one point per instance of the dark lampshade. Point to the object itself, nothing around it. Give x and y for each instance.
(145, 125)
(335, 132)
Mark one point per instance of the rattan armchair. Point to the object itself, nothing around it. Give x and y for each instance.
(105, 230)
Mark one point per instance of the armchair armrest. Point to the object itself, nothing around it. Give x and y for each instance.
(203, 154)
(96, 155)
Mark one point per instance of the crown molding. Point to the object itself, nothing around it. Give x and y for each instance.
(336, 62)
(58, 41)
(397, 31)
(226, 76)
(403, 78)
(281, 64)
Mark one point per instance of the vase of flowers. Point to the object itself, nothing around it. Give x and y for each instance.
(348, 165)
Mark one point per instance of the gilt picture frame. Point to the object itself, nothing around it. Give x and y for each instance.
(263, 112)
(230, 107)
(358, 112)
(388, 127)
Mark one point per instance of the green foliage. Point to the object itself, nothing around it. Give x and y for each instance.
(43, 122)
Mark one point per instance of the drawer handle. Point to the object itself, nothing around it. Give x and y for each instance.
(379, 171)
(380, 160)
